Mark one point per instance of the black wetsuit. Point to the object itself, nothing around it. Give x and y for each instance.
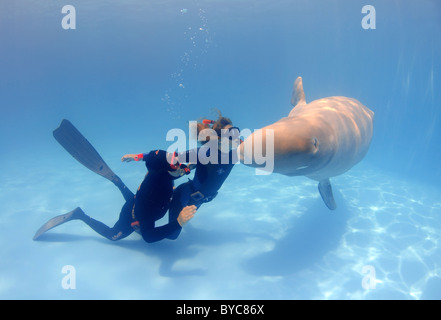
(208, 179)
(151, 202)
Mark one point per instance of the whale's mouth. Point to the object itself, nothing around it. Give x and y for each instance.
(302, 167)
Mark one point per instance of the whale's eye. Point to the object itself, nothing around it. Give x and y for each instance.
(315, 142)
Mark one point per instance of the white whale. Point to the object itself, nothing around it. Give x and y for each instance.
(319, 140)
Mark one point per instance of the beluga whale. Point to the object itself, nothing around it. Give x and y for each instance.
(320, 140)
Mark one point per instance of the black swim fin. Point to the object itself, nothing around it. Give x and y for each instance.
(80, 148)
(56, 221)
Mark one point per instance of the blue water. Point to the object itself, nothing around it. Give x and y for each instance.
(132, 70)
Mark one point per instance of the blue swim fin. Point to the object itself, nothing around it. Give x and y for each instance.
(58, 220)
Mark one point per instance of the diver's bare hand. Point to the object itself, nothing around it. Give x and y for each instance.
(186, 215)
(129, 158)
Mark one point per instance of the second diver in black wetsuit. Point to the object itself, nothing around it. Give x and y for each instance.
(211, 170)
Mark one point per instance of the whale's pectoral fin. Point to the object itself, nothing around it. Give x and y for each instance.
(325, 190)
(298, 95)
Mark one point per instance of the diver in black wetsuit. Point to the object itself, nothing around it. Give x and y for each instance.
(150, 203)
(209, 175)
(153, 197)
